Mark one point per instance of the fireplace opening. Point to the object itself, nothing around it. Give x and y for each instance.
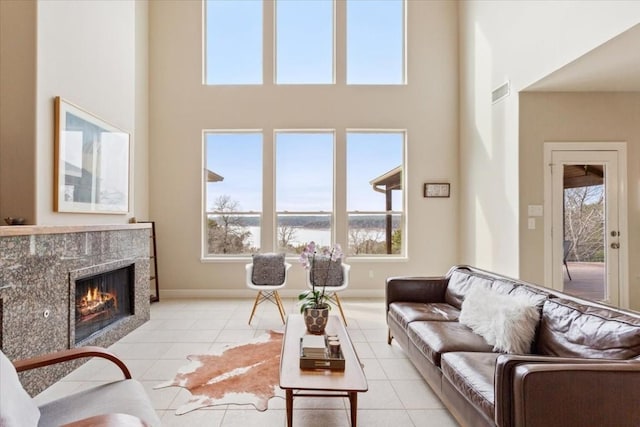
(103, 299)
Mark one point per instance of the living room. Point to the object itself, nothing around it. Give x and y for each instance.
(139, 66)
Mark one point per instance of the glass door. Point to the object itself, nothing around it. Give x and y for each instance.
(585, 231)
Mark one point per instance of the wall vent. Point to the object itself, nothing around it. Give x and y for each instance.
(501, 92)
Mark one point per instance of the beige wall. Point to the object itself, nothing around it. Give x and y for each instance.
(17, 107)
(140, 190)
(93, 54)
(181, 107)
(520, 42)
(577, 117)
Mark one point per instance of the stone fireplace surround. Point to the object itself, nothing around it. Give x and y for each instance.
(38, 269)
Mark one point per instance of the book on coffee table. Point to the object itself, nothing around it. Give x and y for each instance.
(314, 346)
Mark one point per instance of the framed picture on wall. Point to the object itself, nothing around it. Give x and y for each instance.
(91, 169)
(437, 189)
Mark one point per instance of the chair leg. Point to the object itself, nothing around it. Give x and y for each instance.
(344, 319)
(389, 336)
(279, 304)
(255, 304)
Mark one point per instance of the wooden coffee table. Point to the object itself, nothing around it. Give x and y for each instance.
(319, 383)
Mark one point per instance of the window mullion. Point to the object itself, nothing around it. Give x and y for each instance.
(340, 188)
(340, 42)
(268, 195)
(268, 44)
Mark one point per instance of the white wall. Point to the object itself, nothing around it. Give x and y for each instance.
(86, 53)
(519, 41)
(181, 107)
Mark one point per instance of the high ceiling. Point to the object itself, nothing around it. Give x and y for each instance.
(611, 67)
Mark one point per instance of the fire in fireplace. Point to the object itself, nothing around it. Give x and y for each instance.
(103, 299)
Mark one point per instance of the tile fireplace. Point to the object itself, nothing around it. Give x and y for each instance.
(56, 291)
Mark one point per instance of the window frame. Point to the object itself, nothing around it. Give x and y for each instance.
(337, 188)
(332, 213)
(404, 52)
(333, 48)
(205, 29)
(340, 56)
(403, 213)
(205, 255)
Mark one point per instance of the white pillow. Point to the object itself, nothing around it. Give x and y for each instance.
(507, 322)
(17, 408)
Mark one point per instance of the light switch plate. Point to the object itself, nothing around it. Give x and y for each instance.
(532, 224)
(535, 210)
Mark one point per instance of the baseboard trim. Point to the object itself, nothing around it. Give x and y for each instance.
(247, 293)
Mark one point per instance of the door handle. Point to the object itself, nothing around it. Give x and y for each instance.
(615, 246)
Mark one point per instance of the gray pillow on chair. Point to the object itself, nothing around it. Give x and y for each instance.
(327, 272)
(268, 269)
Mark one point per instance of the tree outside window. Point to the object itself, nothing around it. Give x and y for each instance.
(233, 176)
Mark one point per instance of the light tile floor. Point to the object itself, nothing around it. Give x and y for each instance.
(397, 393)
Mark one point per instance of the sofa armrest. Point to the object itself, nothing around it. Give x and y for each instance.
(109, 420)
(70, 354)
(509, 394)
(596, 394)
(416, 289)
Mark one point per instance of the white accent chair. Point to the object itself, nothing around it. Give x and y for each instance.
(119, 403)
(266, 291)
(332, 291)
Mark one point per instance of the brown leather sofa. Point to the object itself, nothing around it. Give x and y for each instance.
(583, 368)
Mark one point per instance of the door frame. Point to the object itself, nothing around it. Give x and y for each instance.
(623, 260)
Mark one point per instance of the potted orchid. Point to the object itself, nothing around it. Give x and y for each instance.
(314, 303)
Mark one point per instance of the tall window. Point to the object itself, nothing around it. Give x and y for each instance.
(304, 189)
(233, 196)
(375, 42)
(304, 34)
(233, 45)
(374, 192)
(304, 42)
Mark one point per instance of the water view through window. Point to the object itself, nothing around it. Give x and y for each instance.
(304, 191)
(233, 182)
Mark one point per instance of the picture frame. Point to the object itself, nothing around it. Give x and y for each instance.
(437, 189)
(91, 162)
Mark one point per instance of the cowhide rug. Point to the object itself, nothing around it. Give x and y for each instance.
(241, 374)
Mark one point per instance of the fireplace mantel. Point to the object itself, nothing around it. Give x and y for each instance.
(27, 230)
(36, 266)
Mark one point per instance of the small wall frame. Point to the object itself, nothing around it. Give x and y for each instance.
(91, 169)
(437, 189)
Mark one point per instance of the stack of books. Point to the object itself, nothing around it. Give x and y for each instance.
(314, 346)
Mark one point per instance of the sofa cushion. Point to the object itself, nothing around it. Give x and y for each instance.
(508, 322)
(460, 282)
(435, 338)
(531, 291)
(268, 269)
(571, 329)
(17, 408)
(407, 312)
(503, 286)
(126, 397)
(472, 375)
